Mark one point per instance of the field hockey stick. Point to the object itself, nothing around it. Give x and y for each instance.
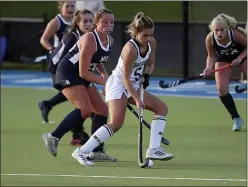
(28, 60)
(163, 140)
(182, 81)
(240, 90)
(140, 134)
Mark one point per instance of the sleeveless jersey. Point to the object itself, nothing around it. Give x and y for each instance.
(62, 49)
(138, 65)
(100, 56)
(63, 24)
(229, 52)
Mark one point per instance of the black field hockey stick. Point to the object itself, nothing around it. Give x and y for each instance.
(163, 140)
(238, 89)
(142, 163)
(182, 81)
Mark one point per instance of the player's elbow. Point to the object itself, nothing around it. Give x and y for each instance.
(43, 42)
(84, 74)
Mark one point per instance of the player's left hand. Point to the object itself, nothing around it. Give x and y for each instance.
(103, 91)
(236, 62)
(146, 80)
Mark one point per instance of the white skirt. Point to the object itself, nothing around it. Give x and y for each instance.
(115, 88)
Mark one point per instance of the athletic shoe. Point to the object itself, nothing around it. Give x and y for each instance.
(237, 124)
(158, 154)
(51, 143)
(81, 158)
(45, 109)
(101, 156)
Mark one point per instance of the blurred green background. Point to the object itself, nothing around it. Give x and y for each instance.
(201, 11)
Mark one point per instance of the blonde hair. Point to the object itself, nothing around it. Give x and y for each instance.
(139, 23)
(99, 14)
(228, 21)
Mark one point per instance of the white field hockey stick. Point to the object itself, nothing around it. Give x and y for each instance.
(140, 134)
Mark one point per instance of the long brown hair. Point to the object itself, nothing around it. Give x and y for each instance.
(76, 19)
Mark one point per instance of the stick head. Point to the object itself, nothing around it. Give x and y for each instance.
(144, 164)
(161, 83)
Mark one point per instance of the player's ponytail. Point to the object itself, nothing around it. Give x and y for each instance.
(139, 15)
(231, 21)
(139, 23)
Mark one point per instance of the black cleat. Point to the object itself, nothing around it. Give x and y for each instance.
(82, 138)
(45, 109)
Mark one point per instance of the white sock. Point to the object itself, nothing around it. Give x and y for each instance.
(102, 134)
(157, 129)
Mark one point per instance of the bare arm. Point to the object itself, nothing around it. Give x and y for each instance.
(87, 50)
(211, 58)
(129, 55)
(151, 60)
(50, 31)
(102, 71)
(241, 39)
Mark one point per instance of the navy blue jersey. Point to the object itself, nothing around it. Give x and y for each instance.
(62, 49)
(63, 24)
(100, 56)
(229, 52)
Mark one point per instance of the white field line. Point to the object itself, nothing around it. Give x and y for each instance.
(122, 177)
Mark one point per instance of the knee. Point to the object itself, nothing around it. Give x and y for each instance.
(222, 91)
(86, 112)
(115, 124)
(115, 127)
(104, 110)
(162, 109)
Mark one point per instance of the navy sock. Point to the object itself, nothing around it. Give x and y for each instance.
(72, 120)
(58, 98)
(97, 122)
(228, 102)
(78, 129)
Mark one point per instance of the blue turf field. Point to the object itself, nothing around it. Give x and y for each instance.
(41, 80)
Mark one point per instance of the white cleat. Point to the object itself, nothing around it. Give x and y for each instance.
(158, 154)
(82, 158)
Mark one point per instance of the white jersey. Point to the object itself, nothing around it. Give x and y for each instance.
(115, 87)
(138, 65)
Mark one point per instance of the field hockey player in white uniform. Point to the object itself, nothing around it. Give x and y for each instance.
(123, 87)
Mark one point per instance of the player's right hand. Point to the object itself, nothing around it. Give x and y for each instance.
(140, 105)
(207, 72)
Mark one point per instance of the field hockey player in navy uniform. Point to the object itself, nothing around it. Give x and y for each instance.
(226, 44)
(74, 77)
(82, 23)
(56, 28)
